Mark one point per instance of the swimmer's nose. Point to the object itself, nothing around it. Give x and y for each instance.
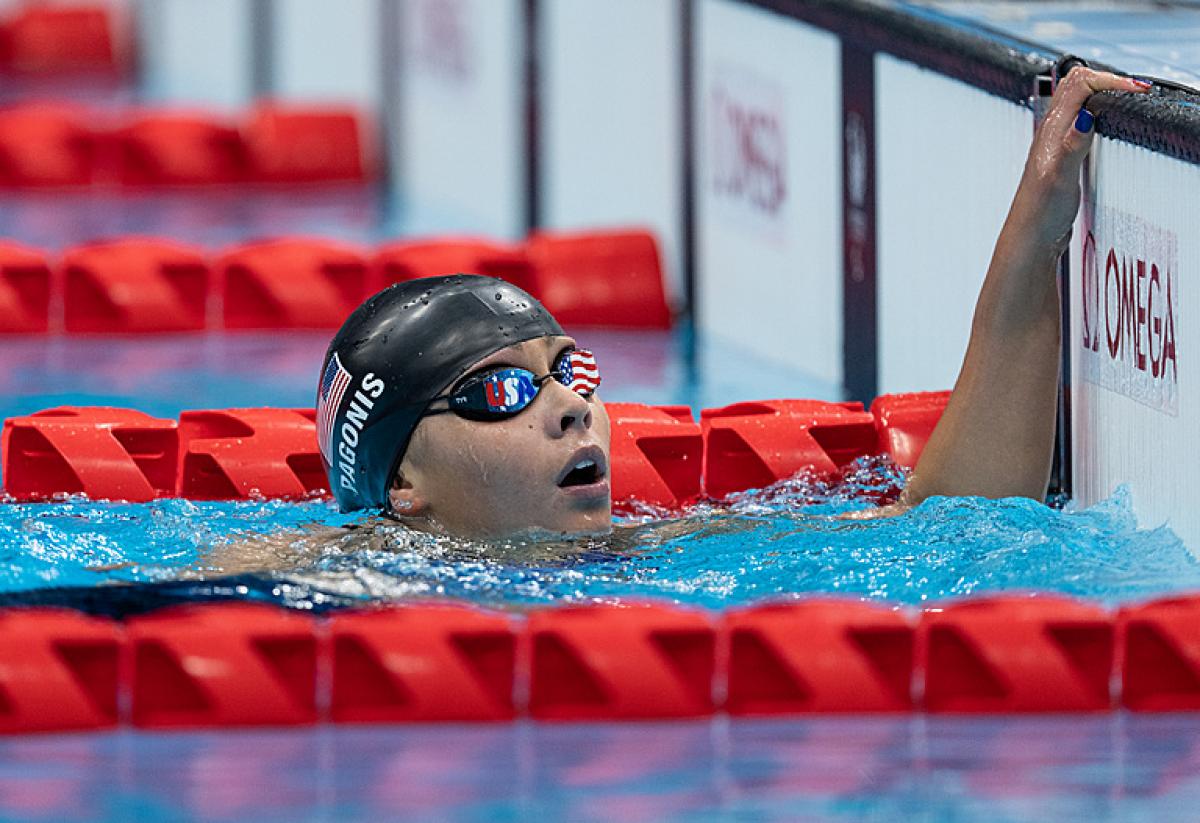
(573, 411)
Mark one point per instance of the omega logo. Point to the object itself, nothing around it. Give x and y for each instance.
(1129, 301)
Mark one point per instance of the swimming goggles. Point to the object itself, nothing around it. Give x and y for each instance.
(506, 391)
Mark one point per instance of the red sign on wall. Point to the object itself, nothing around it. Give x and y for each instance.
(1129, 293)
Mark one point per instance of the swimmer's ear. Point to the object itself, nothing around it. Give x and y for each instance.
(404, 500)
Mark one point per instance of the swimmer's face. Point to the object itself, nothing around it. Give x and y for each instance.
(515, 476)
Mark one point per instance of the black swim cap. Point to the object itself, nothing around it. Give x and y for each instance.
(396, 352)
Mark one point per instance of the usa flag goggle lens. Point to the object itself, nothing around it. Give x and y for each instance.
(500, 394)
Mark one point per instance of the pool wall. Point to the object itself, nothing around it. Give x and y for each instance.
(1133, 408)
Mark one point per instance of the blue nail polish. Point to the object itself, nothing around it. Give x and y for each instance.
(1083, 122)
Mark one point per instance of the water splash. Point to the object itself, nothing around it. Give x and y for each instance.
(782, 541)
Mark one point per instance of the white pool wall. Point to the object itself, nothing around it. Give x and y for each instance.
(611, 121)
(948, 159)
(1130, 425)
(768, 186)
(196, 54)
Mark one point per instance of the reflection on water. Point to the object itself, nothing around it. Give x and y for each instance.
(1094, 768)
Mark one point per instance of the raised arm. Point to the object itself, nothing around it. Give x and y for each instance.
(996, 436)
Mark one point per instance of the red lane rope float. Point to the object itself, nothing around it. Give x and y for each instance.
(223, 665)
(1017, 654)
(1160, 667)
(754, 444)
(138, 284)
(292, 283)
(105, 453)
(239, 454)
(905, 421)
(660, 456)
(179, 148)
(43, 39)
(59, 670)
(595, 278)
(819, 656)
(135, 285)
(423, 663)
(656, 454)
(59, 145)
(238, 664)
(621, 663)
(25, 288)
(46, 146)
(291, 144)
(433, 256)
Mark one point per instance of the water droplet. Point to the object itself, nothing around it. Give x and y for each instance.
(499, 296)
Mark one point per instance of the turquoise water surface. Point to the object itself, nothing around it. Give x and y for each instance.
(779, 542)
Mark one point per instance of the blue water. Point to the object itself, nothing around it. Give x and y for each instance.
(779, 542)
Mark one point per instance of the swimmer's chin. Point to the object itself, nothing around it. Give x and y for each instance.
(538, 534)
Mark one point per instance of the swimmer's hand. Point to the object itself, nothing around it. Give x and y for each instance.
(996, 436)
(1048, 196)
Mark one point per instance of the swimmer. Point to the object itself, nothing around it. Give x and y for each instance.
(457, 405)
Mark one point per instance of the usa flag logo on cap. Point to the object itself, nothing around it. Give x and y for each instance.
(334, 382)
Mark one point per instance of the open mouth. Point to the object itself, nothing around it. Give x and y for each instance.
(587, 467)
(585, 473)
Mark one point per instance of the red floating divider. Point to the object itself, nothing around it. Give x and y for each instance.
(170, 148)
(604, 278)
(292, 283)
(1160, 671)
(1017, 654)
(58, 670)
(230, 664)
(755, 444)
(25, 282)
(249, 453)
(46, 146)
(105, 453)
(287, 144)
(656, 454)
(611, 663)
(421, 664)
(49, 39)
(135, 285)
(399, 262)
(905, 421)
(823, 655)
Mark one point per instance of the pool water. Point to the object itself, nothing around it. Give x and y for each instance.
(781, 541)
